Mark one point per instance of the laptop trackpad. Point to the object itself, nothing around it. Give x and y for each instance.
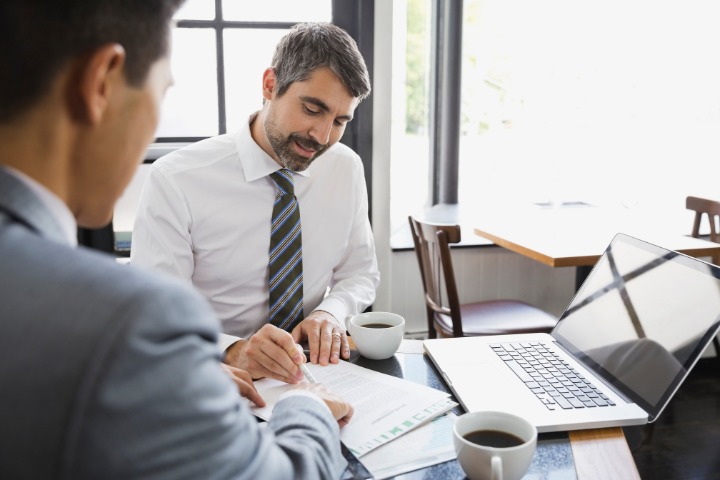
(487, 385)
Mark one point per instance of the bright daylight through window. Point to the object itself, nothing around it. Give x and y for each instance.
(609, 102)
(194, 106)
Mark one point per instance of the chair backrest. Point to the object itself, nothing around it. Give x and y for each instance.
(432, 247)
(711, 208)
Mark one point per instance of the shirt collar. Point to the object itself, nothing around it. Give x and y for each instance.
(255, 162)
(52, 202)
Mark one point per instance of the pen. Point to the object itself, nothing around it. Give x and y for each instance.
(303, 367)
(308, 375)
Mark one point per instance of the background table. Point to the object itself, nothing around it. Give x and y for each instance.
(577, 236)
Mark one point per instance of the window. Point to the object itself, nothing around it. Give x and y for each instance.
(613, 102)
(220, 49)
(410, 153)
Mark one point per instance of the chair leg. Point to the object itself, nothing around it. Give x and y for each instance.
(432, 333)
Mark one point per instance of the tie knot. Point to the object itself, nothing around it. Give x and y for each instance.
(284, 180)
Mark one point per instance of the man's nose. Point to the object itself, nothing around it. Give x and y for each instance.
(321, 131)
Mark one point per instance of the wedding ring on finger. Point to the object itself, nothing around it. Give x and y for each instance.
(338, 335)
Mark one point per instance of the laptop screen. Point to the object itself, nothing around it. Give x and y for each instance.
(642, 319)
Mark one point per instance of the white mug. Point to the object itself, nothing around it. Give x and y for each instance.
(380, 342)
(480, 461)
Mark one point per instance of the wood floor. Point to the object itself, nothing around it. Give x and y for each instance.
(684, 443)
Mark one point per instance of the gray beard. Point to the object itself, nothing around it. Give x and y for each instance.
(283, 148)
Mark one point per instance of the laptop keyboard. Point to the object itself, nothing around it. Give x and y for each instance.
(553, 381)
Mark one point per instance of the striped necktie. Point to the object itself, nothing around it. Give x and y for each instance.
(286, 273)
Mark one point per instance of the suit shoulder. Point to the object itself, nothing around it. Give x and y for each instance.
(89, 285)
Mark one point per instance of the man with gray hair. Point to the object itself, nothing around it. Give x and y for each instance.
(271, 223)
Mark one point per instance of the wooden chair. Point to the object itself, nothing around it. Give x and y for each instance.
(711, 208)
(446, 317)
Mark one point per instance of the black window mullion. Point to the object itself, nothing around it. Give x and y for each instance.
(220, 25)
(220, 52)
(357, 17)
(445, 102)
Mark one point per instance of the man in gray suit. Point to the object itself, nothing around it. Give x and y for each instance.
(107, 371)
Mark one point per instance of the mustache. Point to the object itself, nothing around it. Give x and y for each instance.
(306, 143)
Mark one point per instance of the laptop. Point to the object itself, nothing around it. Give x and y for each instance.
(630, 336)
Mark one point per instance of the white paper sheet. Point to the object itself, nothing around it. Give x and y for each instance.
(427, 445)
(386, 407)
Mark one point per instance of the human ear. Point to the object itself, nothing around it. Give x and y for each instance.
(98, 77)
(268, 83)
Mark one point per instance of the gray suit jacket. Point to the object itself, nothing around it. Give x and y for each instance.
(112, 372)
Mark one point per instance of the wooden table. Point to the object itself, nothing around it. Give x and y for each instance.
(602, 453)
(577, 236)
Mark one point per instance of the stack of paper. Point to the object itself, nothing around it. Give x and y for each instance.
(427, 445)
(386, 407)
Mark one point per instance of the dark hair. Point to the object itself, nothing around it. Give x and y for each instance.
(309, 46)
(39, 37)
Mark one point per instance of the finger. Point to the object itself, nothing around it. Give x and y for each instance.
(345, 347)
(337, 345)
(245, 385)
(341, 410)
(287, 342)
(270, 367)
(313, 335)
(242, 375)
(292, 351)
(347, 416)
(299, 348)
(277, 352)
(297, 333)
(326, 343)
(346, 419)
(248, 391)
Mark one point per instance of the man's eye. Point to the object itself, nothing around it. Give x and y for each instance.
(309, 111)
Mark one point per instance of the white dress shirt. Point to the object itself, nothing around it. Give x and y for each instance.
(205, 214)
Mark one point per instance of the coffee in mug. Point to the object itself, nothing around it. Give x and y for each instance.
(377, 325)
(493, 438)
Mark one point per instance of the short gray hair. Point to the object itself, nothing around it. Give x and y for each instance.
(309, 46)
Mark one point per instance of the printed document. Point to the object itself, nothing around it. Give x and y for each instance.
(427, 445)
(386, 407)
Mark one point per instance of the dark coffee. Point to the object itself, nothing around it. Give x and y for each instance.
(493, 438)
(377, 325)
